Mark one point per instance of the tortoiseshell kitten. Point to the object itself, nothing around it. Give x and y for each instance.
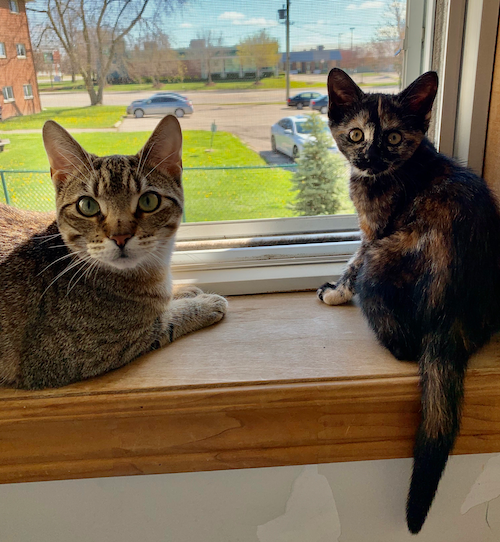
(427, 271)
(90, 290)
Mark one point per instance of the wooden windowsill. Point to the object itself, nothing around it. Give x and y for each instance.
(282, 380)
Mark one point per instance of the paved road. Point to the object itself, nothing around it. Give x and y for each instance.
(247, 114)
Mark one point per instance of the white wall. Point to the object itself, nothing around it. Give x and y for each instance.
(345, 502)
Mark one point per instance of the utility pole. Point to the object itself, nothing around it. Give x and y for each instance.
(352, 29)
(287, 49)
(340, 35)
(284, 15)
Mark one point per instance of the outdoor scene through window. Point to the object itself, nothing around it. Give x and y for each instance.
(108, 71)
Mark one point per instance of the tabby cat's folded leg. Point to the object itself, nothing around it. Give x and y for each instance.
(180, 292)
(343, 290)
(188, 314)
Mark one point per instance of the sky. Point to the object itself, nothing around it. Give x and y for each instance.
(314, 22)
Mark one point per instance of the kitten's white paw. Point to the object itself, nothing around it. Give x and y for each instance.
(330, 294)
(181, 292)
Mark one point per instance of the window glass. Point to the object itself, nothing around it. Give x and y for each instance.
(2, 49)
(14, 6)
(21, 49)
(229, 57)
(8, 94)
(28, 91)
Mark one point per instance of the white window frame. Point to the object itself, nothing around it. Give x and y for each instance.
(5, 92)
(29, 95)
(23, 50)
(209, 254)
(14, 4)
(3, 50)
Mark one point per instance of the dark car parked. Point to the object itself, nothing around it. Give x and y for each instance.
(320, 104)
(302, 99)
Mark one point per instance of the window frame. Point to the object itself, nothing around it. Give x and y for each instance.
(5, 98)
(18, 45)
(14, 3)
(2, 46)
(30, 95)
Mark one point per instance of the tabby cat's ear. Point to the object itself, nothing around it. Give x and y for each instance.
(163, 150)
(420, 95)
(342, 92)
(65, 154)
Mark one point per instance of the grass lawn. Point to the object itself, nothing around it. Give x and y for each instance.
(245, 84)
(210, 195)
(102, 116)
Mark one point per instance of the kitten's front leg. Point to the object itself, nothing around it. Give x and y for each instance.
(187, 314)
(343, 290)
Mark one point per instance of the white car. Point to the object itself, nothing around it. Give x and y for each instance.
(288, 136)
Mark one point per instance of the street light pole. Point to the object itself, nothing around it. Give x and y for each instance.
(352, 29)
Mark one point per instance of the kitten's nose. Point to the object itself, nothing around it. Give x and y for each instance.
(121, 240)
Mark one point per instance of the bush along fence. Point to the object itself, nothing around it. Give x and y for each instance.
(211, 193)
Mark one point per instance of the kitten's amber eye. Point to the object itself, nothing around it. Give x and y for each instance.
(394, 138)
(149, 202)
(88, 206)
(356, 135)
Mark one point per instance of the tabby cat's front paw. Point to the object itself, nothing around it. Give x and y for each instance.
(334, 294)
(212, 308)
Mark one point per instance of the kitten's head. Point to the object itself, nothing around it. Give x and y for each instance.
(120, 212)
(378, 133)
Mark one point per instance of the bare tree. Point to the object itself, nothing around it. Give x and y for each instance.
(207, 47)
(155, 59)
(260, 51)
(89, 31)
(389, 38)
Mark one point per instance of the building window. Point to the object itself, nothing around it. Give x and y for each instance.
(28, 92)
(14, 6)
(21, 50)
(2, 50)
(8, 94)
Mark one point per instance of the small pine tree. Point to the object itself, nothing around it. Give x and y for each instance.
(319, 174)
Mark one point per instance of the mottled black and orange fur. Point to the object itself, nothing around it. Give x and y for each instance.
(427, 272)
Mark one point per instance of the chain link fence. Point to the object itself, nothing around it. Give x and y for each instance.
(211, 193)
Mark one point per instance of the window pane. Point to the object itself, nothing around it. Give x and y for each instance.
(229, 58)
(2, 49)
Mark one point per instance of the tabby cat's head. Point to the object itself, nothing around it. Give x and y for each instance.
(377, 133)
(120, 212)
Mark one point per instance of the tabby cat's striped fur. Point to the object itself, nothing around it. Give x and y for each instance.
(427, 272)
(90, 291)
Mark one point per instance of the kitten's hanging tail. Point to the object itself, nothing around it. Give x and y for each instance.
(442, 370)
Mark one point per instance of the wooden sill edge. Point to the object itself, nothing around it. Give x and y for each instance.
(244, 426)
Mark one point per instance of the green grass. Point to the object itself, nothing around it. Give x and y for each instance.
(210, 195)
(102, 116)
(266, 83)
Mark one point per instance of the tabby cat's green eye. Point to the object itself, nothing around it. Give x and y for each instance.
(88, 206)
(149, 202)
(394, 138)
(356, 135)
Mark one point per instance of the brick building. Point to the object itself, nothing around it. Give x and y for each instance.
(18, 83)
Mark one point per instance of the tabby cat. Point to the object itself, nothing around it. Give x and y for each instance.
(427, 271)
(91, 291)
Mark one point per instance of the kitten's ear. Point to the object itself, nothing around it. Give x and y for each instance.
(163, 150)
(64, 152)
(420, 95)
(342, 92)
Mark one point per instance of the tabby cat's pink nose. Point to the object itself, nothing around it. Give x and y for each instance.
(121, 240)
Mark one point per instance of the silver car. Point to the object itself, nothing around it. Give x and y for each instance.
(161, 105)
(288, 136)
